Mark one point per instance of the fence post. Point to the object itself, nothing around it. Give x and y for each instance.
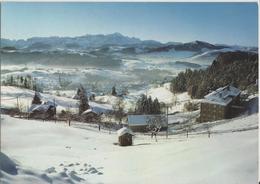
(167, 122)
(54, 110)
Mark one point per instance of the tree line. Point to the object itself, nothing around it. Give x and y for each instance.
(27, 82)
(146, 105)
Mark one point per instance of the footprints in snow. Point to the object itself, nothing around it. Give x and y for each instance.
(75, 170)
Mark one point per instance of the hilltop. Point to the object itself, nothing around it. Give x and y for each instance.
(237, 68)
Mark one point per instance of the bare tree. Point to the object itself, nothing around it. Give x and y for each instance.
(174, 99)
(155, 123)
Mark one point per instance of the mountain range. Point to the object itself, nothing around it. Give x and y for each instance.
(115, 42)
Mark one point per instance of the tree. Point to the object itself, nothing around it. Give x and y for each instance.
(83, 100)
(192, 90)
(174, 99)
(12, 80)
(156, 107)
(155, 122)
(36, 98)
(21, 79)
(119, 109)
(25, 83)
(114, 93)
(154, 125)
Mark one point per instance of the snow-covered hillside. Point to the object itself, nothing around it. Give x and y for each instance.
(9, 96)
(103, 103)
(57, 153)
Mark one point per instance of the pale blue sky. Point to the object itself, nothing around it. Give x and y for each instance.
(230, 23)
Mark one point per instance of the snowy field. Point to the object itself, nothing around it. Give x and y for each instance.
(45, 152)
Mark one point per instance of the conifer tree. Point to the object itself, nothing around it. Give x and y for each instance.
(36, 98)
(25, 83)
(83, 100)
(114, 93)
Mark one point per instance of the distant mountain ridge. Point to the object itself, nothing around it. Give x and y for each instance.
(85, 41)
(125, 44)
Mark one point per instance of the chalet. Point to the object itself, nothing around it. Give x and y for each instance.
(125, 137)
(141, 123)
(220, 104)
(46, 110)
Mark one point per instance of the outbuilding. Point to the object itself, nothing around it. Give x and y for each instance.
(125, 137)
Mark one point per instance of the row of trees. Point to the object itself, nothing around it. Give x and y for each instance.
(22, 81)
(146, 105)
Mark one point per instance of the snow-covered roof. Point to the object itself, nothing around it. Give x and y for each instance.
(140, 120)
(123, 131)
(223, 95)
(89, 111)
(100, 108)
(42, 107)
(50, 103)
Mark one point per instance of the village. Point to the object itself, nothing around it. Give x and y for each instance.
(150, 117)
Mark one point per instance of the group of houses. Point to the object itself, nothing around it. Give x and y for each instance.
(222, 103)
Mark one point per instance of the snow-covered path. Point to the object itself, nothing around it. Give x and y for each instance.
(229, 158)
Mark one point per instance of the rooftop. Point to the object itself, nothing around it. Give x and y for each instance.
(123, 131)
(223, 95)
(89, 111)
(140, 120)
(42, 107)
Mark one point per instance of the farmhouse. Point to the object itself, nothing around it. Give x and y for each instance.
(141, 123)
(46, 110)
(90, 115)
(220, 104)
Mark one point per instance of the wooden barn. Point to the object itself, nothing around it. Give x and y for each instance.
(220, 104)
(125, 136)
(46, 110)
(141, 123)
